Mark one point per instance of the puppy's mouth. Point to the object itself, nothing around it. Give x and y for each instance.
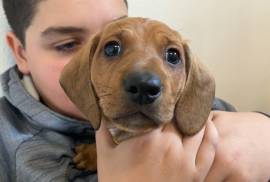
(135, 122)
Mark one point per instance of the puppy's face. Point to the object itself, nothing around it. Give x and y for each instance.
(138, 73)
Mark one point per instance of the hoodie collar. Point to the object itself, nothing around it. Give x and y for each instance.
(38, 114)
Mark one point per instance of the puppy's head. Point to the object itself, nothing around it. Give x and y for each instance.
(139, 74)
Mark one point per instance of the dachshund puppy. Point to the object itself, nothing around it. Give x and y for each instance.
(139, 74)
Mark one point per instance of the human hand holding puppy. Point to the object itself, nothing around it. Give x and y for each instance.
(239, 154)
(243, 148)
(161, 155)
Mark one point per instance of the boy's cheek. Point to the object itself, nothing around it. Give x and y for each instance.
(45, 66)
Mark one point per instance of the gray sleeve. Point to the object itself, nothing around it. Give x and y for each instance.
(79, 176)
(4, 167)
(267, 115)
(3, 172)
(221, 105)
(48, 157)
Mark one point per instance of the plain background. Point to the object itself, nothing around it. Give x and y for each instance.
(231, 37)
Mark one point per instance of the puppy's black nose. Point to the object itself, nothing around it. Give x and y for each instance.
(142, 88)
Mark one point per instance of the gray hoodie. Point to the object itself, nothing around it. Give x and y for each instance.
(36, 143)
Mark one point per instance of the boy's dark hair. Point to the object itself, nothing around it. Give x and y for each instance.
(20, 14)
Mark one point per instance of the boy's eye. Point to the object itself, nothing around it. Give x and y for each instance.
(67, 47)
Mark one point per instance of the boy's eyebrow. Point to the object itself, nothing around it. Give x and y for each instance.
(62, 30)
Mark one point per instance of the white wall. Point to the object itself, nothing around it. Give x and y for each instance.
(5, 55)
(6, 59)
(232, 37)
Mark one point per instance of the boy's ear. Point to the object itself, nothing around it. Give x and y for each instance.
(195, 103)
(75, 79)
(18, 51)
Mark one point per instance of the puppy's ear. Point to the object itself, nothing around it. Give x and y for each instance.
(76, 81)
(195, 102)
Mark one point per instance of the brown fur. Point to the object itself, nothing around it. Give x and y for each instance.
(94, 81)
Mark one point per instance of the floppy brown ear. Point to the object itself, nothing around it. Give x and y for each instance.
(194, 105)
(76, 81)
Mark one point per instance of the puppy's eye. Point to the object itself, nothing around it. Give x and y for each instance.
(173, 56)
(112, 49)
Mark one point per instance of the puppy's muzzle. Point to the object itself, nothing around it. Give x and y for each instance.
(142, 87)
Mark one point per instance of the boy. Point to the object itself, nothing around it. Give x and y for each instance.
(40, 126)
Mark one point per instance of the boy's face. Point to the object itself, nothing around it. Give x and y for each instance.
(57, 31)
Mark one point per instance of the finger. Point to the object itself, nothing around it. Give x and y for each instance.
(218, 170)
(170, 129)
(103, 137)
(206, 154)
(191, 144)
(145, 139)
(216, 174)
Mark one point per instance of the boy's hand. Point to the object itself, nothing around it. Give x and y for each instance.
(243, 152)
(161, 155)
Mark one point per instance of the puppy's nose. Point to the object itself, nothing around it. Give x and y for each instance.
(142, 88)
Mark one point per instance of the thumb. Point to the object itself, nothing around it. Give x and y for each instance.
(104, 139)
